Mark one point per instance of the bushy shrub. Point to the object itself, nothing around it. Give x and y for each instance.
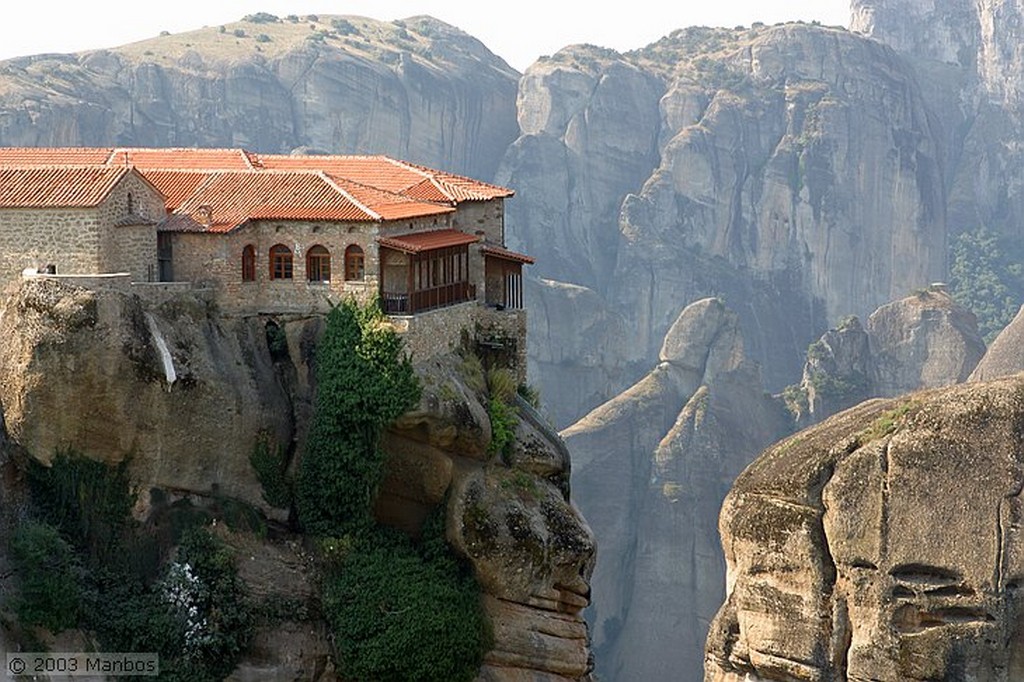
(52, 577)
(262, 38)
(388, 596)
(987, 276)
(503, 426)
(91, 566)
(344, 27)
(261, 18)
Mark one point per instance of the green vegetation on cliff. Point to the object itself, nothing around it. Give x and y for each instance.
(85, 563)
(399, 610)
(364, 382)
(987, 276)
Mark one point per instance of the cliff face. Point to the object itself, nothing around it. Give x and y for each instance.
(92, 370)
(651, 467)
(795, 169)
(835, 566)
(922, 341)
(419, 89)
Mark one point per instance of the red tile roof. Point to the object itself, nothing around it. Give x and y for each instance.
(236, 197)
(184, 158)
(54, 156)
(177, 185)
(57, 187)
(384, 172)
(370, 188)
(505, 254)
(417, 242)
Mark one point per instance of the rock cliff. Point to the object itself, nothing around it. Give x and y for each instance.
(835, 566)
(418, 89)
(751, 170)
(87, 369)
(651, 467)
(922, 341)
(1006, 354)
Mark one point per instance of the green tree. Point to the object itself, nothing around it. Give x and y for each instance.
(364, 382)
(986, 275)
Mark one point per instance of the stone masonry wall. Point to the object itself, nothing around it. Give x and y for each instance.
(499, 335)
(130, 247)
(216, 260)
(31, 237)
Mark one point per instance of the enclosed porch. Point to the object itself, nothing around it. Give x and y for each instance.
(425, 270)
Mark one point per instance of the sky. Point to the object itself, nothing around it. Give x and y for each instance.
(519, 32)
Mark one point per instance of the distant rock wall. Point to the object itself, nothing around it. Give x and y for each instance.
(650, 469)
(422, 91)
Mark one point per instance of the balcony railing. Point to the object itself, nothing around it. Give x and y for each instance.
(395, 303)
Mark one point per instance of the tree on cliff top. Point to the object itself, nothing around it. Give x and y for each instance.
(364, 382)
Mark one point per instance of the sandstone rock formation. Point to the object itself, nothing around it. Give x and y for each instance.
(417, 89)
(883, 544)
(922, 341)
(84, 369)
(754, 174)
(1006, 354)
(651, 467)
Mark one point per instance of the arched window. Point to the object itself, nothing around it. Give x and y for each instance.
(355, 265)
(318, 264)
(280, 262)
(249, 263)
(131, 204)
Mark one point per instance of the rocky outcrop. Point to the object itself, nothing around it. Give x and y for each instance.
(1006, 354)
(755, 175)
(883, 544)
(922, 341)
(925, 340)
(651, 467)
(184, 394)
(418, 89)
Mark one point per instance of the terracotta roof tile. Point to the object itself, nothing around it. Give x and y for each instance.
(177, 186)
(389, 205)
(384, 172)
(183, 158)
(54, 156)
(506, 254)
(458, 187)
(373, 187)
(236, 197)
(417, 242)
(57, 187)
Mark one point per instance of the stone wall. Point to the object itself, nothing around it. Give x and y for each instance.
(216, 260)
(437, 332)
(482, 216)
(85, 241)
(501, 334)
(128, 245)
(31, 237)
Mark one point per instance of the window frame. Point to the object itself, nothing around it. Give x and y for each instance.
(282, 262)
(355, 256)
(316, 257)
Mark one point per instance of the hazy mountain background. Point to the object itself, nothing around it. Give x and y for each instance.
(793, 174)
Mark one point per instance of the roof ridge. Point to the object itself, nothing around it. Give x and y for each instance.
(408, 166)
(326, 178)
